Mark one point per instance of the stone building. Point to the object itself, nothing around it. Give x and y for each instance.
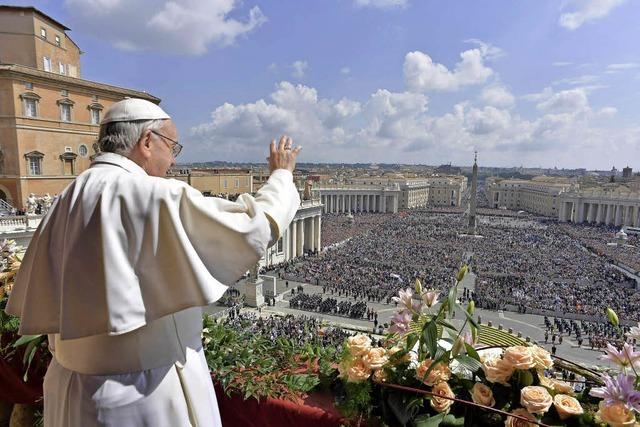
(608, 204)
(342, 198)
(414, 191)
(49, 116)
(540, 196)
(217, 181)
(446, 190)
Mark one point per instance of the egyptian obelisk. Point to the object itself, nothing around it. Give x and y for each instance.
(471, 229)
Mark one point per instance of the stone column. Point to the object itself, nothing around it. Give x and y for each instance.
(293, 241)
(608, 215)
(600, 213)
(580, 213)
(384, 203)
(318, 235)
(312, 234)
(628, 218)
(636, 213)
(618, 217)
(300, 237)
(366, 203)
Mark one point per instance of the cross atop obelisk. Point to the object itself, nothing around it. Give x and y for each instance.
(471, 228)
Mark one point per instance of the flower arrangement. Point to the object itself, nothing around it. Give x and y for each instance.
(429, 373)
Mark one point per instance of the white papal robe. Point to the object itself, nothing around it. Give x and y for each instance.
(117, 273)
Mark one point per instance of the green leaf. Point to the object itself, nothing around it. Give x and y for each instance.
(470, 319)
(26, 339)
(447, 325)
(469, 362)
(428, 421)
(430, 337)
(472, 352)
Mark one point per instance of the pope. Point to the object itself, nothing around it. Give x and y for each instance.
(119, 269)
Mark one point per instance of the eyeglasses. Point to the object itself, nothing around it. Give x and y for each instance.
(176, 148)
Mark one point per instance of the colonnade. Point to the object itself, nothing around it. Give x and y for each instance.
(600, 213)
(346, 202)
(303, 234)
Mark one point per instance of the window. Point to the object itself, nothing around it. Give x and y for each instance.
(280, 245)
(58, 40)
(65, 112)
(28, 85)
(46, 63)
(237, 183)
(83, 150)
(225, 184)
(43, 33)
(34, 162)
(30, 109)
(61, 68)
(68, 163)
(95, 116)
(30, 104)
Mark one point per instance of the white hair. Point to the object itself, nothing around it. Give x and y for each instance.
(121, 137)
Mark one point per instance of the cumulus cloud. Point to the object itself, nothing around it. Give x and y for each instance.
(566, 101)
(382, 4)
(177, 26)
(584, 11)
(497, 96)
(299, 69)
(422, 74)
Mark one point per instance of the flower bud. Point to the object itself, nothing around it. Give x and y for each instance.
(462, 273)
(471, 307)
(418, 286)
(612, 316)
(457, 347)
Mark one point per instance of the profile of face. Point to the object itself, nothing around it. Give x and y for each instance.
(154, 150)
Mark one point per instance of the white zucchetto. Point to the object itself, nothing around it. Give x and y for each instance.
(131, 109)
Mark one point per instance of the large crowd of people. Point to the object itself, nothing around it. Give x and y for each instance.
(519, 261)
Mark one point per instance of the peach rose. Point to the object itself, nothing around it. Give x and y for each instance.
(519, 357)
(556, 386)
(358, 372)
(535, 399)
(541, 358)
(616, 415)
(380, 375)
(376, 358)
(358, 345)
(497, 370)
(567, 406)
(482, 395)
(516, 422)
(439, 373)
(441, 404)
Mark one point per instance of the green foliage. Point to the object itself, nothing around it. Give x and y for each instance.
(254, 366)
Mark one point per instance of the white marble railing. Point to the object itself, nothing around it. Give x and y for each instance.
(13, 224)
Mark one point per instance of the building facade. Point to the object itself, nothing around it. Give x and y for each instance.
(217, 181)
(446, 190)
(618, 206)
(414, 191)
(540, 195)
(344, 198)
(49, 116)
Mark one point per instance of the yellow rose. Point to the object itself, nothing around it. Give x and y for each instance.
(567, 406)
(535, 399)
(516, 422)
(358, 372)
(541, 358)
(358, 345)
(519, 357)
(482, 395)
(441, 404)
(556, 386)
(376, 358)
(616, 415)
(439, 373)
(497, 370)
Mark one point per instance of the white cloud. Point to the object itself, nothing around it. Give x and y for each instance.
(177, 26)
(345, 71)
(587, 10)
(617, 68)
(497, 96)
(562, 64)
(382, 4)
(273, 67)
(579, 80)
(299, 69)
(566, 101)
(422, 74)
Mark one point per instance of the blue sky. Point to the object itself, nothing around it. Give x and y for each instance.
(528, 82)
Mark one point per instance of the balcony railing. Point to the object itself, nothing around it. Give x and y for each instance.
(16, 224)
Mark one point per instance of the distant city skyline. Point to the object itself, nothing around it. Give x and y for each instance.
(537, 83)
